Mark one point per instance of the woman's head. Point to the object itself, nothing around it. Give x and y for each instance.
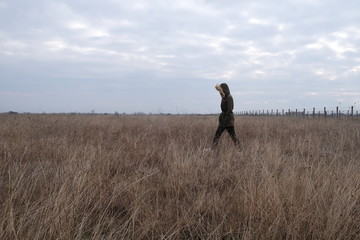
(223, 89)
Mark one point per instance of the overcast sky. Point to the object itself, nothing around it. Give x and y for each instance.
(167, 55)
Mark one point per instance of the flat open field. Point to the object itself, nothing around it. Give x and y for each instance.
(147, 177)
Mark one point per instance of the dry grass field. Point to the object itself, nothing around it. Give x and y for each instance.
(147, 177)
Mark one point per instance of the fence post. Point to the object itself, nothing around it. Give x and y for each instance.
(350, 112)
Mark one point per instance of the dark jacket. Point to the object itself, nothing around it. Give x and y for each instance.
(226, 117)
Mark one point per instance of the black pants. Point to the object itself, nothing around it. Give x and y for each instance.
(231, 132)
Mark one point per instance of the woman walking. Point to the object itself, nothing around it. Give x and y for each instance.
(226, 118)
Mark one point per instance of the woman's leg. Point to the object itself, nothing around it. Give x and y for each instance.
(218, 133)
(231, 131)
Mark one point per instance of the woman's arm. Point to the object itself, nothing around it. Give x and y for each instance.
(229, 104)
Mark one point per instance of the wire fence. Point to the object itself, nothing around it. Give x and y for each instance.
(322, 112)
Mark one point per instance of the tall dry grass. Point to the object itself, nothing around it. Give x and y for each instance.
(146, 177)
